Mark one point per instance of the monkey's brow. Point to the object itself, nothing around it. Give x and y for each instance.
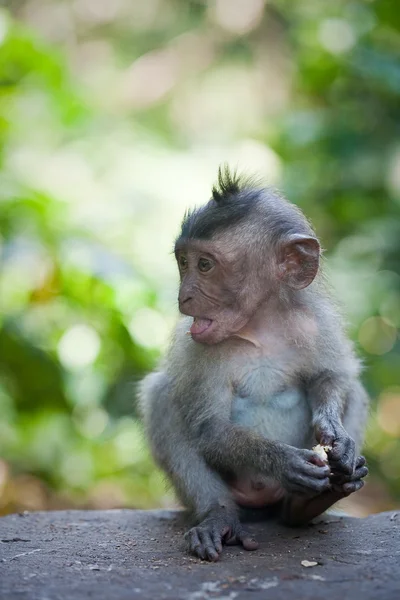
(180, 245)
(196, 245)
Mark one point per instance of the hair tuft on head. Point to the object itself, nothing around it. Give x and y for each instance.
(234, 199)
(228, 184)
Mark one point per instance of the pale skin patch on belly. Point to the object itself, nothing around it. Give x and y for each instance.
(253, 492)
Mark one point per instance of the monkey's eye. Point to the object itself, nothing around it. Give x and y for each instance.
(182, 261)
(205, 265)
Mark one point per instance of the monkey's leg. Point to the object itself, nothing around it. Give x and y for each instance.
(203, 490)
(199, 487)
(299, 510)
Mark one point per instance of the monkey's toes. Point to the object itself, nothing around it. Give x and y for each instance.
(249, 543)
(244, 538)
(204, 543)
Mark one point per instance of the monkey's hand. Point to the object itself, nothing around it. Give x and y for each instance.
(348, 484)
(342, 456)
(206, 539)
(301, 471)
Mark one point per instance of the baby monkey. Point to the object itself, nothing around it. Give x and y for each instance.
(265, 374)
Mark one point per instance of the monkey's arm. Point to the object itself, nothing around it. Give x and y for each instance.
(235, 449)
(197, 485)
(339, 406)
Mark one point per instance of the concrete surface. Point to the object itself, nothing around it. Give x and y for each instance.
(126, 554)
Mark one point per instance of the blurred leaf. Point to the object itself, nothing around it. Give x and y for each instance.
(33, 376)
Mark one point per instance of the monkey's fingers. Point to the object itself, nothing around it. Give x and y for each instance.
(307, 486)
(345, 489)
(352, 486)
(360, 462)
(314, 471)
(311, 457)
(304, 474)
(360, 472)
(342, 456)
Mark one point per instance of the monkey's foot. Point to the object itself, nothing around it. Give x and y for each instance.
(206, 539)
(298, 510)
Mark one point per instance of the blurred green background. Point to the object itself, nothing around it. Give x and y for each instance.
(114, 119)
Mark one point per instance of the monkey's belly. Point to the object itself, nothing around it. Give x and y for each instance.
(284, 417)
(256, 493)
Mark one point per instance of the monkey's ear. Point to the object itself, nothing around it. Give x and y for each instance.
(299, 260)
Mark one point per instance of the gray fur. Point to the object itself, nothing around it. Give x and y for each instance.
(213, 412)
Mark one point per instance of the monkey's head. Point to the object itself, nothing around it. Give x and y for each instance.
(245, 245)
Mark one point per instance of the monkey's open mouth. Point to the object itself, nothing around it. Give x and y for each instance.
(199, 326)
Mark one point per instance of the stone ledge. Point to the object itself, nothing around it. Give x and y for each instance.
(128, 554)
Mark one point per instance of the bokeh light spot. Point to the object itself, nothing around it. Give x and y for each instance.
(148, 328)
(336, 35)
(252, 156)
(159, 69)
(92, 423)
(390, 460)
(128, 443)
(388, 414)
(238, 16)
(377, 335)
(79, 347)
(77, 468)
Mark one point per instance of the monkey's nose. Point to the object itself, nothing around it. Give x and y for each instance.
(184, 300)
(184, 303)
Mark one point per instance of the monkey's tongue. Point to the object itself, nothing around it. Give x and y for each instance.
(200, 325)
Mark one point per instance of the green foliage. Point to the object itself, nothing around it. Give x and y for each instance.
(111, 129)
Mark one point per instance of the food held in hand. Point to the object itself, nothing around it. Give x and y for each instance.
(322, 451)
